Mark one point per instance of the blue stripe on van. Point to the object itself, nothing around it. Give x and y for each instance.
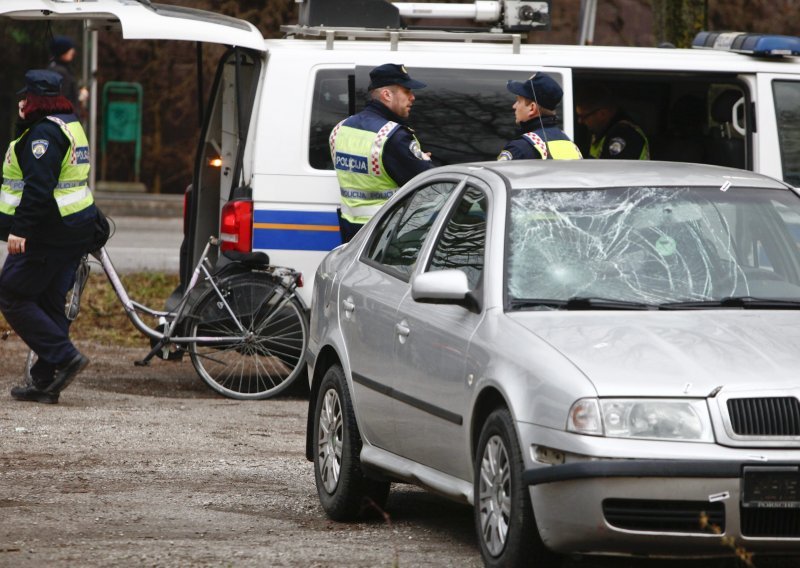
(295, 230)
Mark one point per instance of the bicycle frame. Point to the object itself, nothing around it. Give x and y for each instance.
(132, 307)
(275, 359)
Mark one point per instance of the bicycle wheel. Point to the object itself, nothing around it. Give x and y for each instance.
(265, 358)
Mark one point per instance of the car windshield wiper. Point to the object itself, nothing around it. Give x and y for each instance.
(581, 303)
(744, 302)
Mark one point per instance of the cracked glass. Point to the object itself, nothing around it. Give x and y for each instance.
(654, 245)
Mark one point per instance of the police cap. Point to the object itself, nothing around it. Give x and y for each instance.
(540, 88)
(42, 82)
(392, 74)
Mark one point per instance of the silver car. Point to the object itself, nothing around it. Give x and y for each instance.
(600, 356)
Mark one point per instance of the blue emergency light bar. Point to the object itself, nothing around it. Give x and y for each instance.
(751, 44)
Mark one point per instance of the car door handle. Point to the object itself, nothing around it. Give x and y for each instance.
(348, 306)
(402, 329)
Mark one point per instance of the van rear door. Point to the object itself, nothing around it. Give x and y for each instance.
(139, 19)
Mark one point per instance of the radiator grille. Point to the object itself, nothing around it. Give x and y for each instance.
(662, 516)
(777, 416)
(770, 522)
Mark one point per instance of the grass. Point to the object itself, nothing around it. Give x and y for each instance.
(102, 317)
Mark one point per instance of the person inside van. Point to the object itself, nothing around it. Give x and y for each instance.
(375, 151)
(614, 134)
(534, 110)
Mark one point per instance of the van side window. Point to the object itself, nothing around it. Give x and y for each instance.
(465, 115)
(329, 107)
(461, 116)
(787, 113)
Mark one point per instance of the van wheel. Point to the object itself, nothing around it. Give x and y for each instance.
(344, 491)
(504, 519)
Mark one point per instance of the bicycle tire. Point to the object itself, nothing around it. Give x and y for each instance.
(272, 357)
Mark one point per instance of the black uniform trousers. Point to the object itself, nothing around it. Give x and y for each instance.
(33, 290)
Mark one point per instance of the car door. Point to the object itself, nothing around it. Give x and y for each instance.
(431, 343)
(369, 294)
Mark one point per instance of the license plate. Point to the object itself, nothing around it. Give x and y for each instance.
(771, 487)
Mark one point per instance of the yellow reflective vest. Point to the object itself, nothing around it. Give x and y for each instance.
(72, 194)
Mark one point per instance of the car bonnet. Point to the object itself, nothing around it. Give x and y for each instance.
(674, 354)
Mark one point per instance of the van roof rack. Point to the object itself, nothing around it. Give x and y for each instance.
(395, 36)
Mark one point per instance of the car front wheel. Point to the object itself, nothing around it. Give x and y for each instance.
(344, 491)
(504, 519)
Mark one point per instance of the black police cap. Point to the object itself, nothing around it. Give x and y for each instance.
(42, 82)
(540, 88)
(392, 74)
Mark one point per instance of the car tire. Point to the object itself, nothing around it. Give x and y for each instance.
(504, 520)
(344, 491)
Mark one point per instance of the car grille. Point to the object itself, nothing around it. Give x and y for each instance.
(770, 522)
(777, 416)
(662, 516)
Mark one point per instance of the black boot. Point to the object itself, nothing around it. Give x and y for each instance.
(33, 394)
(65, 373)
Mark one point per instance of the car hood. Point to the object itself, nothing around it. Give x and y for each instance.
(673, 354)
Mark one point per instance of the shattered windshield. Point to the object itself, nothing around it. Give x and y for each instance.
(652, 245)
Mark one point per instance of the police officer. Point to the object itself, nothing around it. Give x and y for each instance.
(375, 151)
(534, 111)
(47, 217)
(614, 134)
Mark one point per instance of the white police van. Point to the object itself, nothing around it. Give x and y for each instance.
(264, 178)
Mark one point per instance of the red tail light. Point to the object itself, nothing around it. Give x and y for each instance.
(236, 226)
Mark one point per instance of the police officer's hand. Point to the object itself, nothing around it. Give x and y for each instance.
(16, 245)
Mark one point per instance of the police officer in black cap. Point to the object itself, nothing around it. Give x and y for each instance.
(375, 151)
(534, 111)
(47, 216)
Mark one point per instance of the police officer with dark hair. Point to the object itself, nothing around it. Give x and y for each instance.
(47, 215)
(375, 151)
(614, 134)
(534, 111)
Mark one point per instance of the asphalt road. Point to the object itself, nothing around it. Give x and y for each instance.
(145, 244)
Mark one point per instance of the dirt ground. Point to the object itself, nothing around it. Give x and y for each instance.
(149, 467)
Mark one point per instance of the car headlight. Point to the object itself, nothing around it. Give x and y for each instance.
(653, 419)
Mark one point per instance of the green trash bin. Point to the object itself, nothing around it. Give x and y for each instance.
(122, 120)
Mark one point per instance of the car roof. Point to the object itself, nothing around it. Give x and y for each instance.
(556, 174)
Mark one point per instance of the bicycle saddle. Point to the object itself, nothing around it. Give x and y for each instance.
(251, 259)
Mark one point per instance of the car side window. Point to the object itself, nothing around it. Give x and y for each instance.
(464, 238)
(400, 235)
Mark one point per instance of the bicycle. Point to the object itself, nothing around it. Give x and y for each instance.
(243, 326)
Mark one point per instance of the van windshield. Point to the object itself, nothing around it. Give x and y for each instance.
(654, 245)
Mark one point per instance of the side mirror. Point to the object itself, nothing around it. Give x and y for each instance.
(440, 287)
